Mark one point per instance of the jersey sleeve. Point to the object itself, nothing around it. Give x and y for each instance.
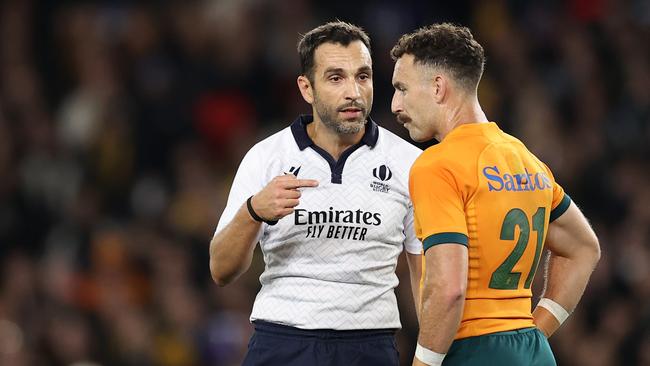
(247, 182)
(411, 242)
(561, 200)
(438, 205)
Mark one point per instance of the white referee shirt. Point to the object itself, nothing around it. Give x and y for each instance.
(331, 264)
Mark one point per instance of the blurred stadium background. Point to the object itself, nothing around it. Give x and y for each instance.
(122, 124)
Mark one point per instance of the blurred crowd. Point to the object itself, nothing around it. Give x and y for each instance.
(122, 124)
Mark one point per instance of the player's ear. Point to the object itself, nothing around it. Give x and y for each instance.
(306, 89)
(440, 88)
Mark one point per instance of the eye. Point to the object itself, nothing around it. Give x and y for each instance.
(364, 77)
(335, 78)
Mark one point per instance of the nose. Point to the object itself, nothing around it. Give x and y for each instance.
(353, 90)
(396, 104)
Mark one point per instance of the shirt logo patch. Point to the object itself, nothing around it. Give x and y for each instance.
(294, 170)
(384, 174)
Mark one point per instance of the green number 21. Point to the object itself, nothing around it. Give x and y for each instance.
(503, 278)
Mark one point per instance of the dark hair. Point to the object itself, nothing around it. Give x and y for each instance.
(447, 46)
(333, 32)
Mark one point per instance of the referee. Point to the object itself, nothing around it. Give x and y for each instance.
(327, 199)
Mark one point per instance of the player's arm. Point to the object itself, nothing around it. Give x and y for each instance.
(231, 249)
(440, 222)
(574, 254)
(413, 249)
(415, 273)
(443, 296)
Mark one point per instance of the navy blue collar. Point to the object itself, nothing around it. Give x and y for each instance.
(299, 130)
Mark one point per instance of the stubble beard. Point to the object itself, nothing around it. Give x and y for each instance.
(328, 115)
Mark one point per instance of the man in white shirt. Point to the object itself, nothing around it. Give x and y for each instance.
(327, 199)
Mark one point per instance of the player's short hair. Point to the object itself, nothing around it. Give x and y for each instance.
(332, 32)
(446, 46)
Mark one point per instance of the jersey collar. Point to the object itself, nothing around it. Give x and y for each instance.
(299, 131)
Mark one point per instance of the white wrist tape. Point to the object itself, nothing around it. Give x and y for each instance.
(428, 356)
(554, 308)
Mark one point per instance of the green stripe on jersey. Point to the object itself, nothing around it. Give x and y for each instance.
(561, 208)
(443, 238)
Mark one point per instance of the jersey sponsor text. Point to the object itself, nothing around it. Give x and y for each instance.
(516, 182)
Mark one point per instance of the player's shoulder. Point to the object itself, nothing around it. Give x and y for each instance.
(513, 140)
(277, 141)
(434, 157)
(264, 150)
(447, 159)
(276, 144)
(440, 154)
(522, 147)
(397, 147)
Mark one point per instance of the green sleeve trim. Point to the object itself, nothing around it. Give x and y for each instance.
(443, 238)
(561, 208)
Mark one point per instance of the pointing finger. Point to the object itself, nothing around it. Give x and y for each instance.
(300, 183)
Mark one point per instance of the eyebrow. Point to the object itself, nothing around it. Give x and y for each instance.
(366, 69)
(398, 85)
(339, 70)
(331, 70)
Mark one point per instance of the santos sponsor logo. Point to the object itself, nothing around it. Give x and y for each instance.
(516, 182)
(325, 224)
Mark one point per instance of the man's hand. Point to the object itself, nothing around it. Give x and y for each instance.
(543, 319)
(417, 362)
(279, 198)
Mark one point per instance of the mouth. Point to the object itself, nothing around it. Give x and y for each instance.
(351, 112)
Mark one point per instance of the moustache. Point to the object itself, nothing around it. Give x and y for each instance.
(401, 118)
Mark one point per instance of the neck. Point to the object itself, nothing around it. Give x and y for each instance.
(464, 110)
(329, 140)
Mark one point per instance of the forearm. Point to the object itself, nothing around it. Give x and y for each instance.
(440, 317)
(415, 275)
(566, 280)
(443, 298)
(231, 250)
(415, 289)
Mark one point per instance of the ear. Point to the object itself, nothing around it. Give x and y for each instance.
(306, 89)
(440, 88)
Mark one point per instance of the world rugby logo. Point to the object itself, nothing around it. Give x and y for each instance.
(382, 173)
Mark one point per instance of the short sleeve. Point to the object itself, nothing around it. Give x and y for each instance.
(411, 242)
(561, 200)
(247, 182)
(438, 205)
